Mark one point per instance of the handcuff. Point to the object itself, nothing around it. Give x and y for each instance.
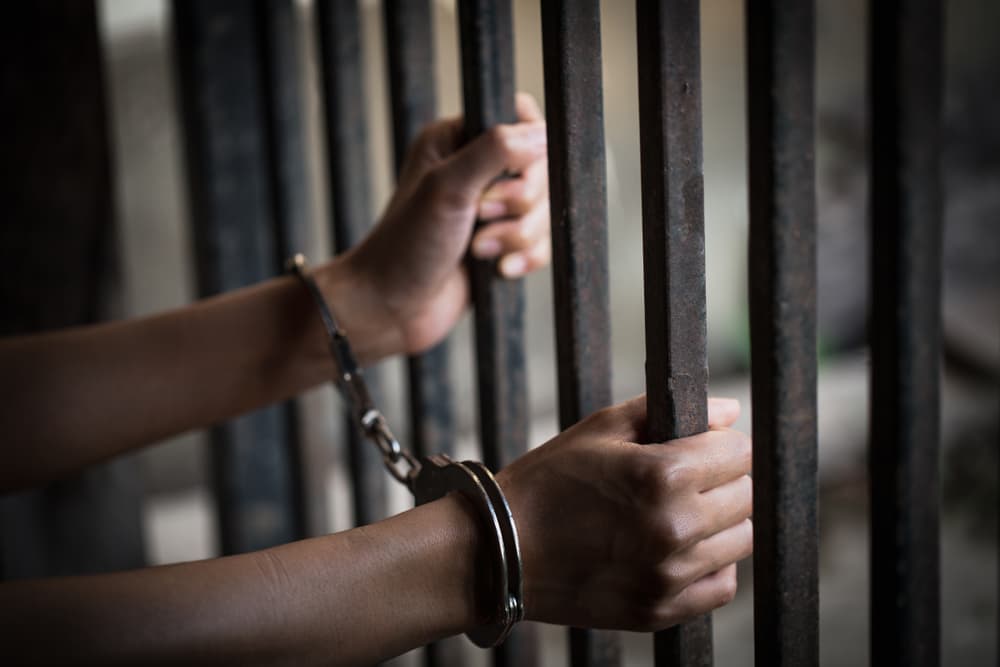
(432, 477)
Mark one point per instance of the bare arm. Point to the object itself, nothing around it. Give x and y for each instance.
(650, 539)
(75, 397)
(82, 395)
(352, 598)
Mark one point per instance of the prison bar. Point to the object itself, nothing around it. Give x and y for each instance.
(409, 40)
(346, 117)
(673, 240)
(571, 45)
(782, 279)
(218, 58)
(284, 109)
(906, 236)
(487, 53)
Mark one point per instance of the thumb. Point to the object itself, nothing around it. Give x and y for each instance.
(501, 148)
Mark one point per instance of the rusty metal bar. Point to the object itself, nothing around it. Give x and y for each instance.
(409, 40)
(782, 278)
(218, 70)
(350, 201)
(487, 51)
(673, 242)
(906, 91)
(571, 39)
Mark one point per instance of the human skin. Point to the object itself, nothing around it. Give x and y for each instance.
(614, 533)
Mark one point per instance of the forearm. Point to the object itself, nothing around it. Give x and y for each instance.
(351, 598)
(78, 396)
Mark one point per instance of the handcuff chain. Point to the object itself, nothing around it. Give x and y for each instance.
(401, 464)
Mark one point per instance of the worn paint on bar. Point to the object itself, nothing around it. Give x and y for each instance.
(346, 118)
(487, 50)
(906, 91)
(218, 70)
(780, 66)
(673, 251)
(571, 38)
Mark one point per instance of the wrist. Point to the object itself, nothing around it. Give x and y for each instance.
(360, 311)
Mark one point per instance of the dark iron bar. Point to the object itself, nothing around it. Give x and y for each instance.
(571, 38)
(673, 242)
(906, 209)
(350, 201)
(487, 51)
(218, 57)
(409, 40)
(61, 269)
(283, 109)
(782, 278)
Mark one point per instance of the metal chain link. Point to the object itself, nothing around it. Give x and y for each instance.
(401, 464)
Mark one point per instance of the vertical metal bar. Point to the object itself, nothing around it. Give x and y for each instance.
(350, 193)
(409, 40)
(410, 58)
(283, 110)
(673, 251)
(57, 247)
(218, 57)
(487, 49)
(780, 65)
(906, 91)
(571, 40)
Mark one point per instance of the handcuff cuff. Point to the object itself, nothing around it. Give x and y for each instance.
(433, 477)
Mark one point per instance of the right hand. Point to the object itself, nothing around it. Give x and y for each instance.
(625, 536)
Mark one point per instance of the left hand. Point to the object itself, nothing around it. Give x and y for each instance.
(413, 259)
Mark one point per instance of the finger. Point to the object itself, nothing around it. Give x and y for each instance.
(713, 458)
(711, 554)
(503, 147)
(725, 506)
(527, 107)
(515, 196)
(723, 412)
(710, 592)
(501, 238)
(518, 264)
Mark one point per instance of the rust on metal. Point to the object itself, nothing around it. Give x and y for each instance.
(571, 39)
(782, 278)
(673, 252)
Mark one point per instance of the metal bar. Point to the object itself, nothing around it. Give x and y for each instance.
(487, 50)
(350, 194)
(409, 40)
(906, 91)
(283, 110)
(571, 41)
(782, 278)
(217, 65)
(57, 247)
(673, 251)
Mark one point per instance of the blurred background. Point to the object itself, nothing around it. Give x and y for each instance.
(153, 241)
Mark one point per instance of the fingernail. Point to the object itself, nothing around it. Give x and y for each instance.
(489, 209)
(513, 266)
(486, 248)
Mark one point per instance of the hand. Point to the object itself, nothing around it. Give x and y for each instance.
(635, 537)
(413, 259)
